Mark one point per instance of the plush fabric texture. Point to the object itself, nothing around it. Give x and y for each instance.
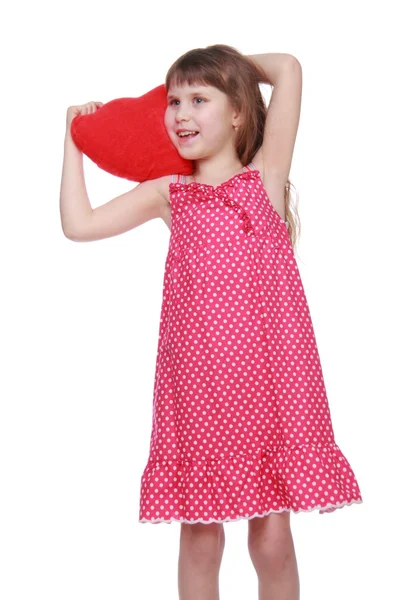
(127, 138)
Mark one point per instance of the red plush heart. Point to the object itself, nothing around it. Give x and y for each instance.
(127, 138)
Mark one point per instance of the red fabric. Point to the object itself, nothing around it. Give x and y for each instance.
(127, 138)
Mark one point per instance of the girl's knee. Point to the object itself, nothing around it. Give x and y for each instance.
(207, 539)
(270, 538)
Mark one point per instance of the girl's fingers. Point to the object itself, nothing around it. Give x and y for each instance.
(85, 109)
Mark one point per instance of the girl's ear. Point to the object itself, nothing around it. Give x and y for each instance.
(237, 119)
(236, 123)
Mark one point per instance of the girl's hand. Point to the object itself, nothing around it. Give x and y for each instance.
(83, 109)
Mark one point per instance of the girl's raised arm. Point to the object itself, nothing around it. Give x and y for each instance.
(80, 222)
(284, 72)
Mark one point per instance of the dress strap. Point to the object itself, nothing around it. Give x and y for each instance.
(178, 178)
(250, 167)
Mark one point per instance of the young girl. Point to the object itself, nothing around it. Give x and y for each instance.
(241, 422)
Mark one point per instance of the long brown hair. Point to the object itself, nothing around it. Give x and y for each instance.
(238, 77)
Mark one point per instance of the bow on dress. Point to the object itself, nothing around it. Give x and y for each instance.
(204, 191)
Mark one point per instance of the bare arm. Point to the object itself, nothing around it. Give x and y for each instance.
(274, 158)
(272, 64)
(75, 207)
(80, 222)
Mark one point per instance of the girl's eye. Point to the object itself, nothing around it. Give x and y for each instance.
(196, 98)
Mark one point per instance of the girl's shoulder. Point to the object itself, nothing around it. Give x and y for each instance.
(164, 182)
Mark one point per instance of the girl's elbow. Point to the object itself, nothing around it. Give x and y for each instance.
(71, 235)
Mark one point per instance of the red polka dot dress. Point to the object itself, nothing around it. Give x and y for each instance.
(241, 423)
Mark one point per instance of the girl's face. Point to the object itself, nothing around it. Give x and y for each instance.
(205, 110)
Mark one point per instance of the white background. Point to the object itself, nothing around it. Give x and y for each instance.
(79, 321)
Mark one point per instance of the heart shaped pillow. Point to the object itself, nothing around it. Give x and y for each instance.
(127, 138)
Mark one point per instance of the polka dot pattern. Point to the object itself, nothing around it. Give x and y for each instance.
(241, 423)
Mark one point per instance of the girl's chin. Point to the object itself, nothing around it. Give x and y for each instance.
(187, 151)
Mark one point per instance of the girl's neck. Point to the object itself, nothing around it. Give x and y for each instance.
(212, 176)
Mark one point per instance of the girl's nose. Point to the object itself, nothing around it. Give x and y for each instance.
(182, 113)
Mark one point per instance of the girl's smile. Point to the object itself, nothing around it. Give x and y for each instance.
(187, 139)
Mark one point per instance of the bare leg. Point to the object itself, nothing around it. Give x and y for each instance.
(272, 552)
(200, 556)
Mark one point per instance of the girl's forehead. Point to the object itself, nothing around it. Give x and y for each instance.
(186, 87)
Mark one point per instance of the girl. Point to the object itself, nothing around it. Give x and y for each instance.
(241, 422)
